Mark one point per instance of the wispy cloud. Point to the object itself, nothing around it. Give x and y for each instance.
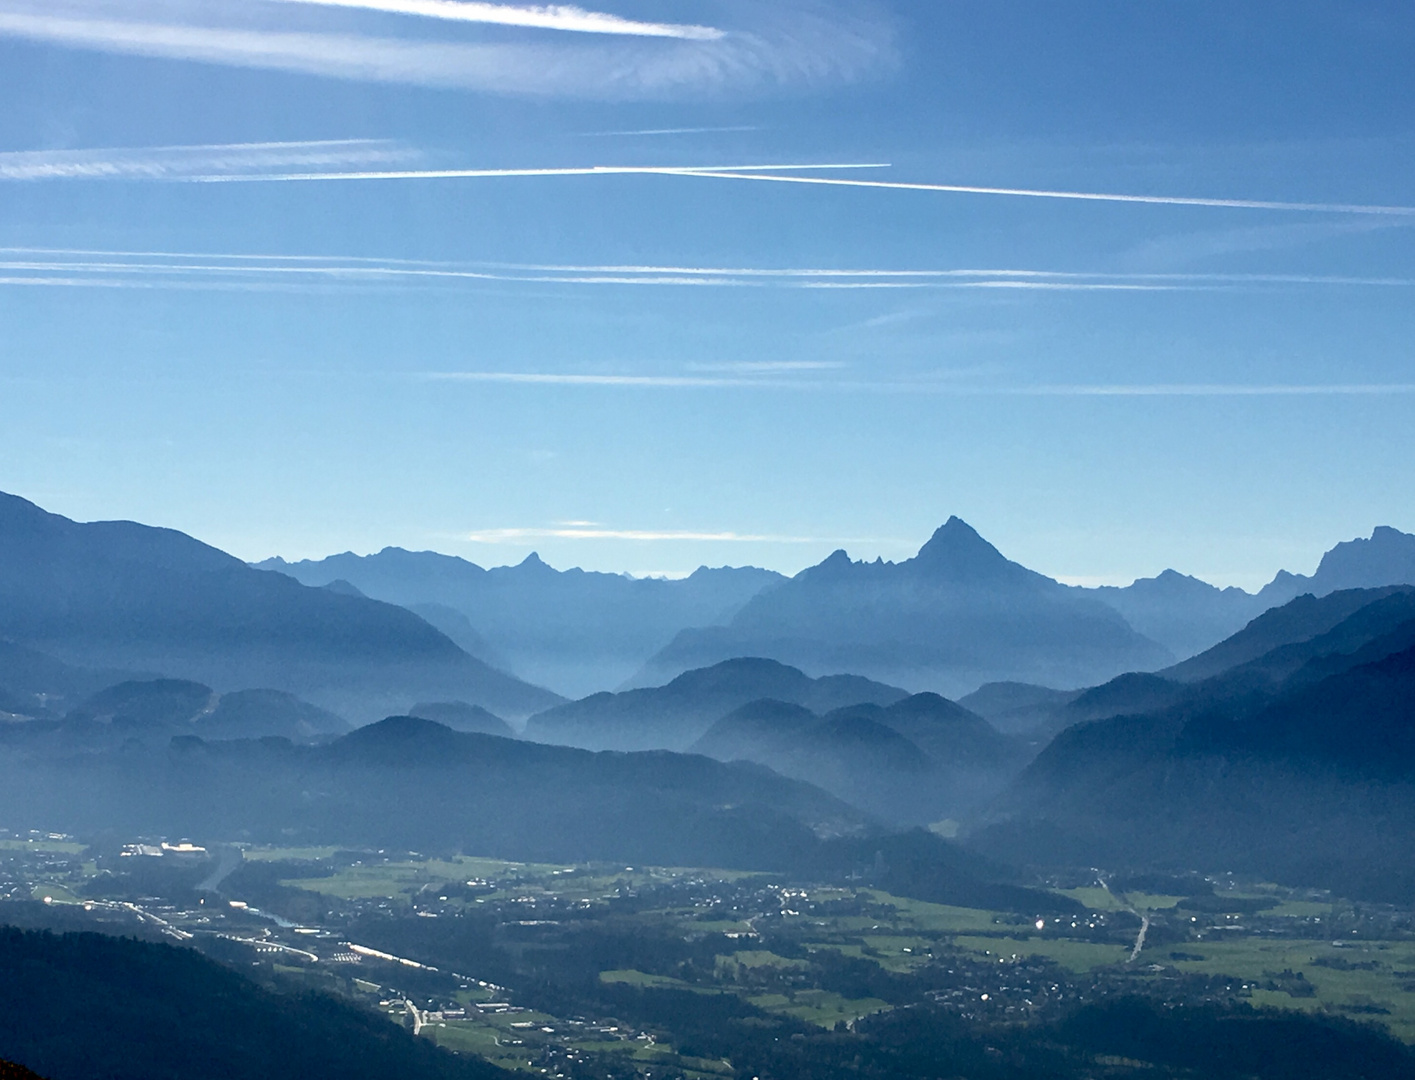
(1084, 196)
(540, 17)
(556, 378)
(328, 160)
(769, 367)
(949, 387)
(574, 532)
(185, 162)
(779, 45)
(1211, 390)
(666, 131)
(78, 267)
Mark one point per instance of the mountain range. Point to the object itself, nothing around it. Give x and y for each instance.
(572, 630)
(580, 632)
(962, 613)
(131, 598)
(957, 615)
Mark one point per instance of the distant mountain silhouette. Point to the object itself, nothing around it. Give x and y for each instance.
(1297, 763)
(673, 716)
(1182, 613)
(1188, 616)
(1386, 558)
(957, 615)
(460, 716)
(575, 631)
(127, 596)
(917, 761)
(413, 784)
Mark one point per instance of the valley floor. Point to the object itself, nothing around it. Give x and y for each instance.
(609, 970)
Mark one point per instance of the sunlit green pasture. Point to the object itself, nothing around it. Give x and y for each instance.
(1077, 956)
(820, 1007)
(1364, 981)
(50, 847)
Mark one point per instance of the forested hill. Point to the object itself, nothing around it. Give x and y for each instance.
(85, 1006)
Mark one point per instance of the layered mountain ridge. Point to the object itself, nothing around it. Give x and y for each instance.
(576, 631)
(133, 598)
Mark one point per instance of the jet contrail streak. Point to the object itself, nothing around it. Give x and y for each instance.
(1033, 193)
(473, 174)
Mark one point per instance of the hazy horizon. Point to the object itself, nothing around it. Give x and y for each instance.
(1146, 304)
(1248, 585)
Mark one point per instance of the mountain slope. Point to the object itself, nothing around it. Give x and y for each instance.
(127, 596)
(576, 631)
(955, 616)
(1297, 765)
(673, 716)
(1297, 621)
(460, 716)
(145, 1011)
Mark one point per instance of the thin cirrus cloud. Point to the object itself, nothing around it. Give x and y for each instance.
(312, 161)
(603, 57)
(945, 387)
(578, 531)
(37, 267)
(562, 17)
(642, 132)
(184, 162)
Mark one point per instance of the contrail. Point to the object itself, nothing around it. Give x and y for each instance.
(474, 174)
(1035, 193)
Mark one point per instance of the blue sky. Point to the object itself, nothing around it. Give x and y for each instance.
(206, 322)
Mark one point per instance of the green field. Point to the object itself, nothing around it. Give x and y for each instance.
(819, 1007)
(1075, 956)
(52, 847)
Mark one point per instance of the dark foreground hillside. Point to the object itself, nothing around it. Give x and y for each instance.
(89, 1007)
